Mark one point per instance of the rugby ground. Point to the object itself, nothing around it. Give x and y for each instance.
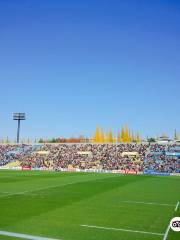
(87, 206)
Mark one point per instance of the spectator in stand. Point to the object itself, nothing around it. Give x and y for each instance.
(92, 156)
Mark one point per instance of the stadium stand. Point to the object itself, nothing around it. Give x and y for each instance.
(131, 157)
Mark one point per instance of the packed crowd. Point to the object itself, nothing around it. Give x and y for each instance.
(5, 153)
(162, 163)
(101, 156)
(136, 157)
(163, 158)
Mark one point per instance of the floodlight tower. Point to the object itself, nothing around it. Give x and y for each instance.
(18, 117)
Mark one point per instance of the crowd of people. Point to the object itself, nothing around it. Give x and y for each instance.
(132, 157)
(101, 156)
(162, 163)
(6, 154)
(163, 158)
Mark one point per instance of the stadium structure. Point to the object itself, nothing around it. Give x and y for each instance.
(93, 191)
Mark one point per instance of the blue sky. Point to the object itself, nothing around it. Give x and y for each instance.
(71, 65)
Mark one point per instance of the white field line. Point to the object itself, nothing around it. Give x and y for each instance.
(39, 189)
(24, 236)
(11, 194)
(5, 192)
(122, 229)
(150, 203)
(168, 227)
(133, 202)
(166, 232)
(176, 207)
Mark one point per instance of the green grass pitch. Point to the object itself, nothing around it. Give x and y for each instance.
(87, 206)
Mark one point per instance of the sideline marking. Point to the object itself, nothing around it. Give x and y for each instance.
(123, 230)
(166, 232)
(150, 203)
(24, 236)
(168, 227)
(176, 207)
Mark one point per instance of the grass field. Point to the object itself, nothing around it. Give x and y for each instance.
(87, 206)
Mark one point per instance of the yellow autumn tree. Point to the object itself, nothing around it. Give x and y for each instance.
(138, 138)
(111, 136)
(102, 136)
(123, 134)
(132, 137)
(107, 137)
(119, 136)
(126, 134)
(114, 137)
(97, 137)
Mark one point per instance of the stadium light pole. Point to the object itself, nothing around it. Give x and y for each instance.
(18, 117)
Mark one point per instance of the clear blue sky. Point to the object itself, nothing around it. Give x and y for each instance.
(71, 65)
